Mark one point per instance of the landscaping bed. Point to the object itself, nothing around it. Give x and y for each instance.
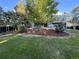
(46, 32)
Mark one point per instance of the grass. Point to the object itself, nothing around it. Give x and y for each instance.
(19, 47)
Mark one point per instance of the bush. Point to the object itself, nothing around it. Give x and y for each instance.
(60, 27)
(21, 28)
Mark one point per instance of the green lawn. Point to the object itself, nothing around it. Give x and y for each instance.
(19, 47)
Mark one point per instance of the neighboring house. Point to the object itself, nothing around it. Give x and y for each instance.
(65, 18)
(68, 19)
(75, 12)
(72, 19)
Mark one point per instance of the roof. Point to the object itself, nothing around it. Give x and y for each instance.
(76, 9)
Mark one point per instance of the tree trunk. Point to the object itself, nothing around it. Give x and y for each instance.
(32, 25)
(74, 27)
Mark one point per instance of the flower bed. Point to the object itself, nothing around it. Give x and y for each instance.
(46, 32)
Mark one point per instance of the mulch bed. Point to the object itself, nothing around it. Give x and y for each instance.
(46, 32)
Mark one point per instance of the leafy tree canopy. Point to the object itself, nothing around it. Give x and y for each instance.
(41, 10)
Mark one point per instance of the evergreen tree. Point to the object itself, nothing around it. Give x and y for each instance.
(20, 8)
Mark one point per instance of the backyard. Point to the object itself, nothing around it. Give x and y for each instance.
(39, 29)
(40, 47)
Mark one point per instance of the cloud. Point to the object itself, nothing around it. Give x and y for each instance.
(59, 13)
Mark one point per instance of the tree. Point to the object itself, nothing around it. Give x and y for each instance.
(16, 20)
(1, 16)
(21, 16)
(20, 8)
(10, 17)
(40, 11)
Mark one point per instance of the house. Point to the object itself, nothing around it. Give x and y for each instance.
(75, 12)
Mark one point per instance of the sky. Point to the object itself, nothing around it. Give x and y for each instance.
(64, 5)
(67, 5)
(8, 4)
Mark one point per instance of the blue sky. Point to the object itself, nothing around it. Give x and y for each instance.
(67, 5)
(8, 4)
(64, 5)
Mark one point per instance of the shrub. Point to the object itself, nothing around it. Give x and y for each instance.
(60, 27)
(21, 28)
